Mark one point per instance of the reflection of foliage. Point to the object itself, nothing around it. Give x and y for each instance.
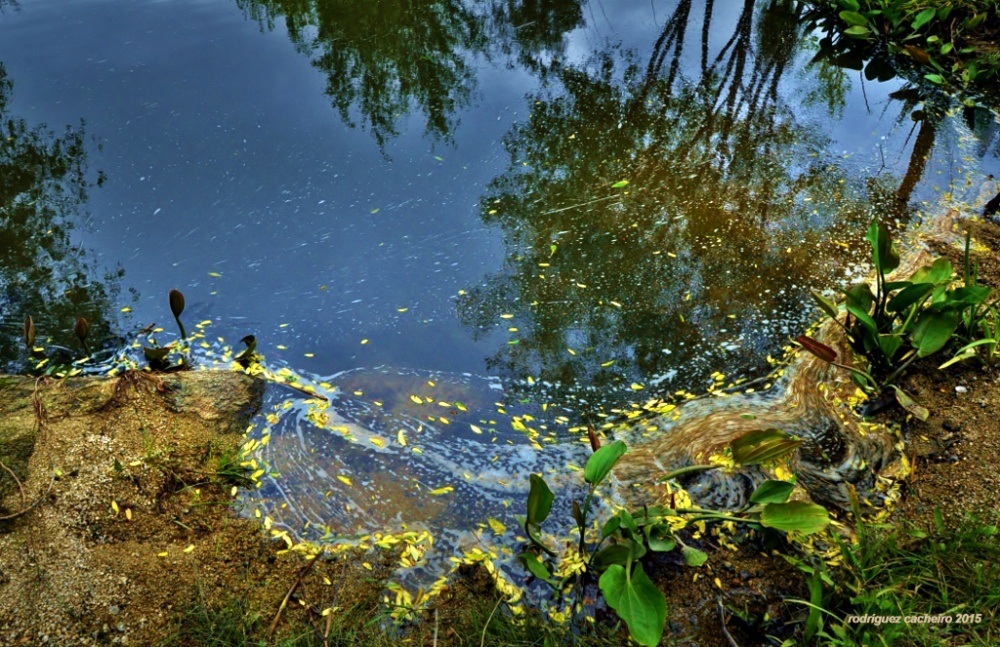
(534, 27)
(728, 205)
(43, 272)
(382, 58)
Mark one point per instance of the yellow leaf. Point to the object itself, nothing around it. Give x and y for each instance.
(128, 513)
(189, 548)
(417, 450)
(497, 527)
(215, 274)
(378, 442)
(401, 437)
(442, 490)
(364, 341)
(476, 429)
(571, 351)
(608, 363)
(343, 479)
(114, 506)
(163, 554)
(506, 316)
(416, 400)
(636, 386)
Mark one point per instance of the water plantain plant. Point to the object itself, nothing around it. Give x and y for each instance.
(899, 322)
(612, 548)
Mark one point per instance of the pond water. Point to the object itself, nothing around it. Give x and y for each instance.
(549, 209)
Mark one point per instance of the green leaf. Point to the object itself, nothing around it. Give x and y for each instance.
(610, 526)
(619, 184)
(863, 317)
(610, 555)
(600, 462)
(772, 492)
(808, 518)
(889, 344)
(860, 296)
(850, 5)
(660, 537)
(693, 556)
(908, 403)
(972, 295)
(540, 500)
(827, 306)
(933, 330)
(581, 521)
(857, 31)
(884, 253)
(627, 520)
(939, 272)
(637, 601)
(536, 567)
(935, 78)
(762, 445)
(908, 296)
(923, 18)
(853, 18)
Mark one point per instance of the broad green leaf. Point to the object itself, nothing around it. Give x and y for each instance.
(540, 500)
(772, 492)
(628, 521)
(818, 349)
(536, 567)
(613, 554)
(860, 296)
(889, 344)
(808, 518)
(693, 556)
(827, 306)
(637, 601)
(923, 18)
(850, 5)
(858, 31)
(853, 18)
(935, 78)
(762, 445)
(600, 462)
(908, 403)
(972, 295)
(941, 271)
(619, 184)
(884, 253)
(610, 526)
(864, 318)
(660, 537)
(933, 330)
(908, 296)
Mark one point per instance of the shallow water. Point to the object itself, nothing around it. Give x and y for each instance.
(574, 205)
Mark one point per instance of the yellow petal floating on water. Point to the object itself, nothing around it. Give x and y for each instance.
(417, 450)
(497, 527)
(364, 341)
(401, 309)
(189, 548)
(442, 490)
(378, 442)
(114, 506)
(608, 363)
(636, 386)
(401, 437)
(571, 351)
(126, 309)
(344, 479)
(163, 554)
(215, 274)
(416, 399)
(460, 406)
(128, 513)
(506, 316)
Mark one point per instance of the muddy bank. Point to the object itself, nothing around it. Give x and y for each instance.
(119, 517)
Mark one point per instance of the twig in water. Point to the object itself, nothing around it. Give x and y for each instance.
(435, 643)
(284, 603)
(486, 626)
(722, 620)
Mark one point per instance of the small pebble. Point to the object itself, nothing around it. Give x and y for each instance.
(951, 425)
(961, 389)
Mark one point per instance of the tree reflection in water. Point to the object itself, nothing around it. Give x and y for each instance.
(44, 271)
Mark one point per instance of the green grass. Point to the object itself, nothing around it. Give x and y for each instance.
(909, 571)
(483, 624)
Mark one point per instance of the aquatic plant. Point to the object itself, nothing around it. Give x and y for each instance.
(904, 320)
(177, 307)
(630, 535)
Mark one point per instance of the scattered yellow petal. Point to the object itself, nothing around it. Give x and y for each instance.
(189, 548)
(442, 490)
(114, 506)
(343, 479)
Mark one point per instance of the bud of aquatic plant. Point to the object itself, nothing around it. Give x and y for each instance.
(595, 442)
(247, 355)
(177, 307)
(81, 329)
(29, 332)
(176, 302)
